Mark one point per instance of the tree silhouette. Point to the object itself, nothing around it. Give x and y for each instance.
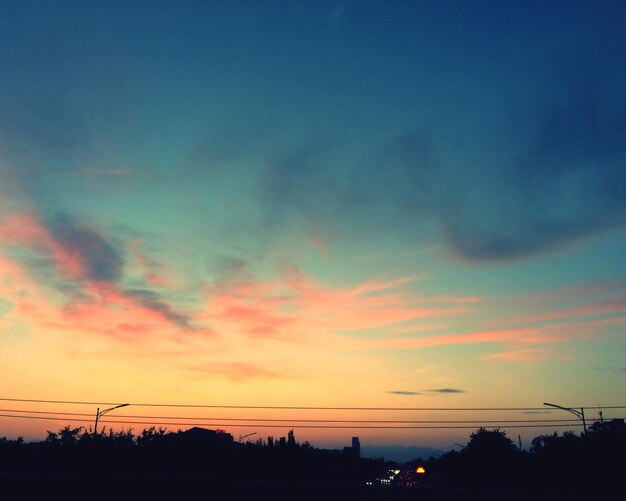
(595, 461)
(489, 458)
(150, 436)
(485, 443)
(66, 436)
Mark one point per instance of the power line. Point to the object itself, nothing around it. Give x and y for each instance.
(390, 421)
(258, 425)
(290, 407)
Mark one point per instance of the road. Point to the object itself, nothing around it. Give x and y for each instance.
(95, 487)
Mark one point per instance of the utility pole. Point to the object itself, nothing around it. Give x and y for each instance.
(580, 414)
(101, 413)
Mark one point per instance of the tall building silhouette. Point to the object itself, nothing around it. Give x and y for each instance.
(356, 445)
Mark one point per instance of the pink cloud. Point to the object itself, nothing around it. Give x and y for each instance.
(294, 304)
(99, 305)
(26, 230)
(153, 272)
(520, 342)
(291, 306)
(237, 371)
(562, 314)
(477, 337)
(108, 314)
(134, 328)
(609, 307)
(581, 299)
(523, 355)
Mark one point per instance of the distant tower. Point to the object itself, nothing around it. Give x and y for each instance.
(356, 446)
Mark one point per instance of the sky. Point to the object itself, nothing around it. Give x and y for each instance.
(407, 204)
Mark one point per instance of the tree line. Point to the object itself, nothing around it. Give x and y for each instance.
(195, 452)
(595, 460)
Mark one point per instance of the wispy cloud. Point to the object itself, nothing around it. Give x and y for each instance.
(447, 390)
(612, 370)
(526, 355)
(79, 262)
(72, 251)
(111, 172)
(154, 302)
(437, 391)
(607, 307)
(238, 371)
(81, 279)
(95, 258)
(556, 176)
(294, 304)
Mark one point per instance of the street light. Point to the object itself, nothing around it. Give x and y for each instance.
(248, 435)
(580, 414)
(101, 413)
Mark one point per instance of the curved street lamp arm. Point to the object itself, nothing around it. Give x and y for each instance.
(100, 413)
(576, 413)
(112, 408)
(579, 414)
(248, 435)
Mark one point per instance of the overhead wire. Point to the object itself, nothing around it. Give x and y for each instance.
(317, 423)
(292, 407)
(254, 420)
(310, 426)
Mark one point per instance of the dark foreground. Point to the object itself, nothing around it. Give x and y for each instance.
(17, 486)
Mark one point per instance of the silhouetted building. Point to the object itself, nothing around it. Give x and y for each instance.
(356, 445)
(197, 434)
(291, 439)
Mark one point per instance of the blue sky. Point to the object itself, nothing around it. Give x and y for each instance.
(287, 193)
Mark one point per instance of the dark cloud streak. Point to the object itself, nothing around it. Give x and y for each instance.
(427, 392)
(154, 302)
(100, 260)
(85, 257)
(548, 171)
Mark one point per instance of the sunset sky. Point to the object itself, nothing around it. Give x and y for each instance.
(322, 204)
